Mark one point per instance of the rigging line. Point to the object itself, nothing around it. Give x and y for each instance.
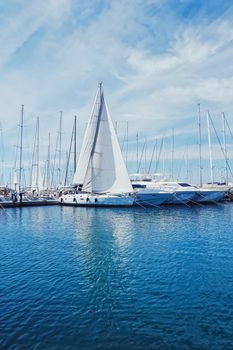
(180, 200)
(220, 144)
(17, 148)
(147, 204)
(152, 156)
(4, 210)
(97, 128)
(54, 160)
(33, 162)
(68, 160)
(139, 165)
(123, 142)
(98, 122)
(210, 200)
(158, 160)
(196, 203)
(228, 126)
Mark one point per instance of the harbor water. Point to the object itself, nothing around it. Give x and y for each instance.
(101, 278)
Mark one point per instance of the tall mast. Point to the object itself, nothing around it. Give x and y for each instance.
(2, 156)
(164, 156)
(21, 150)
(75, 142)
(145, 155)
(210, 148)
(199, 144)
(59, 159)
(152, 156)
(137, 149)
(225, 146)
(48, 167)
(127, 143)
(37, 153)
(68, 155)
(35, 159)
(172, 151)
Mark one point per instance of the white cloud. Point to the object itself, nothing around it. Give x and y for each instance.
(155, 84)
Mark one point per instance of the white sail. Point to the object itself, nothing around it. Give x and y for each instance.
(85, 152)
(36, 180)
(105, 168)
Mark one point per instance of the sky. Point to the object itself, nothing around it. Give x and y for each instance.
(157, 59)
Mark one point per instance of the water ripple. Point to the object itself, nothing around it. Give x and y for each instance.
(82, 278)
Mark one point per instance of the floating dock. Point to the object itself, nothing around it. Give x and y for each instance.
(31, 203)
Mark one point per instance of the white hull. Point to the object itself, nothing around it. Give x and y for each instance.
(97, 200)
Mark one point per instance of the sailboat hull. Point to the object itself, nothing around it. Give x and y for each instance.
(95, 200)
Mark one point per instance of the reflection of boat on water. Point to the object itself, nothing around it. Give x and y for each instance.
(101, 177)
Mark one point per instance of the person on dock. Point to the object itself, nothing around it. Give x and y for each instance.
(14, 197)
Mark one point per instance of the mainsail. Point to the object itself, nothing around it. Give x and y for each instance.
(101, 168)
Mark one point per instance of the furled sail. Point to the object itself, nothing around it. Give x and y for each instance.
(36, 178)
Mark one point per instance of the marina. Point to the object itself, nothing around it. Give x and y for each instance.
(116, 175)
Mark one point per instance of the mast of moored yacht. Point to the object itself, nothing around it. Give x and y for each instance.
(21, 149)
(2, 157)
(172, 155)
(69, 153)
(152, 155)
(59, 151)
(35, 159)
(210, 147)
(225, 146)
(127, 144)
(48, 167)
(137, 148)
(199, 144)
(75, 142)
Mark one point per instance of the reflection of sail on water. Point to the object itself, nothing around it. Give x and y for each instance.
(101, 168)
(117, 223)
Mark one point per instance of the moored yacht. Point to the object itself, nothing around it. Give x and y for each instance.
(179, 192)
(160, 191)
(101, 178)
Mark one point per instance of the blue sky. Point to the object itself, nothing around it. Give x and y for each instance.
(156, 58)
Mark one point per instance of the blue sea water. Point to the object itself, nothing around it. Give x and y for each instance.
(92, 278)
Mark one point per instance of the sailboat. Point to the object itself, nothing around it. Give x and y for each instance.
(101, 177)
